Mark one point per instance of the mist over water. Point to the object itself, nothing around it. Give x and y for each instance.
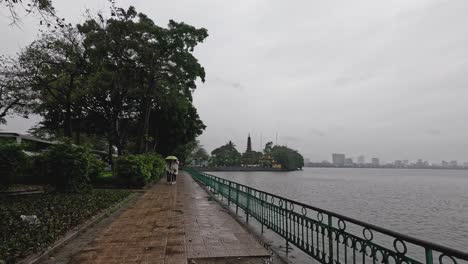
(427, 204)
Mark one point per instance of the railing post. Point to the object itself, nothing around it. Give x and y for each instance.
(330, 238)
(286, 218)
(229, 196)
(429, 259)
(237, 198)
(262, 195)
(247, 211)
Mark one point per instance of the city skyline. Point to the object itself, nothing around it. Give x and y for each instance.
(342, 159)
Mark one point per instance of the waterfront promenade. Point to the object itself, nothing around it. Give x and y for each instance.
(172, 224)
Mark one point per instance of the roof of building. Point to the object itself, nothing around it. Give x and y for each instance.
(26, 137)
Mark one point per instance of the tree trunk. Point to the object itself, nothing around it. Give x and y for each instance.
(67, 122)
(146, 120)
(143, 141)
(78, 132)
(109, 153)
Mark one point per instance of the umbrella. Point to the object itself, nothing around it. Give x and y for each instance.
(171, 158)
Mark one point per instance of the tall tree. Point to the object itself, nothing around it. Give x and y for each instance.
(15, 92)
(122, 78)
(289, 159)
(56, 66)
(226, 155)
(200, 156)
(139, 70)
(43, 8)
(174, 123)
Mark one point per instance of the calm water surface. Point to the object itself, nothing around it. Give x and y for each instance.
(428, 204)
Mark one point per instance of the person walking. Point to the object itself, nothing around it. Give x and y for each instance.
(172, 169)
(168, 172)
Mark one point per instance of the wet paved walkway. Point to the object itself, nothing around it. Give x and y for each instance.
(171, 224)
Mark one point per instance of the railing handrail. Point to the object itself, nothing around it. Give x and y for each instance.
(426, 244)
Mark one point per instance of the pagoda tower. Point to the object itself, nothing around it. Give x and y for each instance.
(249, 145)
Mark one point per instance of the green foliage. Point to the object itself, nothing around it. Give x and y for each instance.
(288, 158)
(135, 171)
(268, 148)
(226, 155)
(55, 66)
(157, 164)
(96, 167)
(121, 78)
(68, 167)
(251, 158)
(142, 75)
(14, 163)
(15, 94)
(200, 156)
(184, 152)
(57, 213)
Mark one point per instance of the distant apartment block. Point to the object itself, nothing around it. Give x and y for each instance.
(375, 162)
(338, 159)
(361, 160)
(398, 163)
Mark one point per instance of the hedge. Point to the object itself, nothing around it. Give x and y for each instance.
(14, 163)
(135, 171)
(64, 166)
(67, 167)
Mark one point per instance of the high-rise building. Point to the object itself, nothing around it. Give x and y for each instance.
(361, 160)
(398, 163)
(348, 161)
(338, 159)
(375, 162)
(453, 163)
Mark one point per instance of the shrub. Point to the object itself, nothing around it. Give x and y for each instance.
(132, 171)
(157, 164)
(138, 170)
(96, 167)
(67, 167)
(14, 164)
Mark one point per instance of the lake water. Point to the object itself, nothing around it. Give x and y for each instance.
(427, 204)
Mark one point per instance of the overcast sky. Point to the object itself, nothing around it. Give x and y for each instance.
(383, 78)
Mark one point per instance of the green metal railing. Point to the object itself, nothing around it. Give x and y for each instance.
(328, 237)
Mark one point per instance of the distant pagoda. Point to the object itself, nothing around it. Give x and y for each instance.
(249, 145)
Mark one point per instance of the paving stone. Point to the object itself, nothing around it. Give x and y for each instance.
(168, 224)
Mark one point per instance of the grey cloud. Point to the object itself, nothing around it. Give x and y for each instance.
(317, 132)
(372, 77)
(434, 132)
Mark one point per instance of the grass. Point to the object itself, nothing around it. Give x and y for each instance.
(57, 213)
(106, 180)
(106, 174)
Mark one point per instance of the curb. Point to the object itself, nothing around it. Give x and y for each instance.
(33, 259)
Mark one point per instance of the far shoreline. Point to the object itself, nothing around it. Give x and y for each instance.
(259, 169)
(390, 168)
(214, 169)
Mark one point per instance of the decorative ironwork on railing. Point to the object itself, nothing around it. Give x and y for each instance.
(328, 237)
